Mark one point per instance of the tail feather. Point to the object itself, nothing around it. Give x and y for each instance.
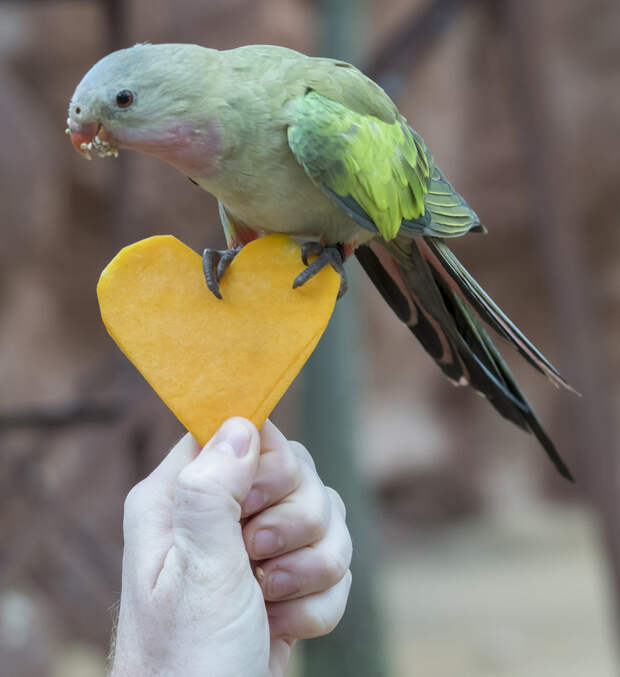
(399, 266)
(455, 274)
(423, 294)
(503, 373)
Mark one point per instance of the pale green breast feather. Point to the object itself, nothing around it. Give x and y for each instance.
(374, 169)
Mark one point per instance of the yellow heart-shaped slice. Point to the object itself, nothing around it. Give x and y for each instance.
(209, 359)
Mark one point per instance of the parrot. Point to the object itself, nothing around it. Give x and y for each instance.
(312, 148)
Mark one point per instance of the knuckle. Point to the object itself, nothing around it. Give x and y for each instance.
(198, 492)
(322, 619)
(189, 480)
(135, 505)
(337, 501)
(290, 469)
(315, 524)
(346, 552)
(325, 618)
(333, 568)
(302, 453)
(135, 499)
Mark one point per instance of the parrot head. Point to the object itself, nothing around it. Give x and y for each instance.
(148, 98)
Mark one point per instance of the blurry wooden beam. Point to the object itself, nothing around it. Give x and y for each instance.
(55, 516)
(414, 37)
(117, 29)
(118, 179)
(559, 229)
(59, 416)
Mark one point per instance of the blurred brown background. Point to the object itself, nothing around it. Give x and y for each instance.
(482, 562)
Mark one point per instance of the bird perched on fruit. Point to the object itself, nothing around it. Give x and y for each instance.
(313, 148)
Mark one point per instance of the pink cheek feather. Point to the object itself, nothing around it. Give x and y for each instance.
(193, 149)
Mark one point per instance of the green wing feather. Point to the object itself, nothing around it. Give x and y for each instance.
(449, 215)
(376, 168)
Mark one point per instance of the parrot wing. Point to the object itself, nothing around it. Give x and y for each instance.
(374, 169)
(378, 170)
(449, 213)
(363, 154)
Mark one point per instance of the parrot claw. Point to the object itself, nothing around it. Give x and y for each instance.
(215, 263)
(310, 249)
(332, 255)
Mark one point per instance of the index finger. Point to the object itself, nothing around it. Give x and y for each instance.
(278, 471)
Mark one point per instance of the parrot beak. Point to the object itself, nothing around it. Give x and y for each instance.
(83, 135)
(90, 136)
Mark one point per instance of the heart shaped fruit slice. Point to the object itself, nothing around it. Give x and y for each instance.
(209, 359)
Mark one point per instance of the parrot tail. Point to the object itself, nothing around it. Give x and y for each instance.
(432, 293)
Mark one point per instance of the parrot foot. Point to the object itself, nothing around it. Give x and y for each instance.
(215, 263)
(332, 255)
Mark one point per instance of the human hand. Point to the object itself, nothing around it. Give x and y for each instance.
(197, 527)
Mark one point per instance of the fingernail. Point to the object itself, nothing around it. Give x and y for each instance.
(233, 436)
(266, 543)
(254, 501)
(281, 584)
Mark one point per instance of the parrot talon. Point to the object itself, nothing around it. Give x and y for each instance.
(332, 255)
(226, 258)
(309, 249)
(215, 263)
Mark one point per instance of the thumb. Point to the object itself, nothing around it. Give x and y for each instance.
(209, 492)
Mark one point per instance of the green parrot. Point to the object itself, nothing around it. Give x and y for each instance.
(313, 148)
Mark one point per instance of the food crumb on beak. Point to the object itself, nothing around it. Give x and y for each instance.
(85, 149)
(103, 148)
(87, 139)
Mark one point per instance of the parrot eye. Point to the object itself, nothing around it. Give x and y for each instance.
(124, 98)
